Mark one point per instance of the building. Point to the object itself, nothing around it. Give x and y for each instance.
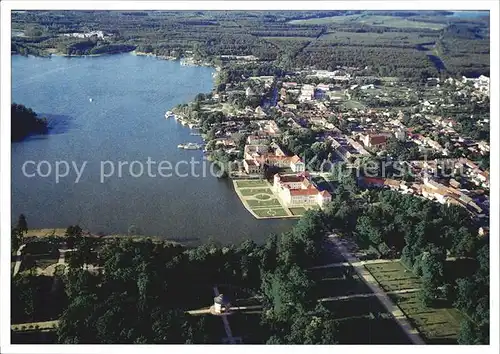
(251, 166)
(306, 93)
(297, 190)
(268, 127)
(249, 92)
(221, 304)
(253, 152)
(296, 164)
(400, 134)
(256, 140)
(375, 140)
(378, 182)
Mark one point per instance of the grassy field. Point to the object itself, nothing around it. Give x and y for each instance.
(270, 212)
(372, 20)
(247, 192)
(250, 183)
(262, 196)
(437, 325)
(394, 276)
(365, 321)
(399, 39)
(333, 282)
(297, 211)
(360, 320)
(263, 203)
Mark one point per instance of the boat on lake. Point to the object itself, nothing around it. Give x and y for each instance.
(169, 114)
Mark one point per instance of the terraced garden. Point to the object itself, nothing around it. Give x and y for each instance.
(393, 276)
(270, 212)
(361, 320)
(297, 211)
(437, 325)
(259, 199)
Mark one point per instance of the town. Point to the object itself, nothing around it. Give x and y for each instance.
(301, 127)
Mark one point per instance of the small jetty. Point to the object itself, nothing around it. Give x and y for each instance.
(190, 146)
(169, 114)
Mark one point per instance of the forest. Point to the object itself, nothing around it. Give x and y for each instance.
(389, 48)
(25, 122)
(140, 289)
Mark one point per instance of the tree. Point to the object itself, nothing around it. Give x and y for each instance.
(287, 291)
(22, 224)
(73, 235)
(467, 333)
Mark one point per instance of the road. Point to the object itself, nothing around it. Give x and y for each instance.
(229, 334)
(371, 282)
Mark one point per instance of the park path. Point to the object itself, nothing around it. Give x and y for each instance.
(371, 261)
(17, 266)
(354, 296)
(206, 310)
(227, 328)
(371, 282)
(348, 264)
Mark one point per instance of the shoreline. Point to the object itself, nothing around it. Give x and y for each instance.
(42, 233)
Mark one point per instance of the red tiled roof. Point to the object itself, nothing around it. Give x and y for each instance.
(308, 191)
(378, 139)
(324, 193)
(291, 178)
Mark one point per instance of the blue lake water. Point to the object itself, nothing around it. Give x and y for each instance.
(470, 14)
(123, 122)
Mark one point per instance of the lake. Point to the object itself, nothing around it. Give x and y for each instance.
(107, 109)
(470, 14)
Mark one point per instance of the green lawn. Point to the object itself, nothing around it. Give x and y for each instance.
(437, 325)
(248, 183)
(262, 196)
(394, 276)
(247, 192)
(263, 203)
(297, 211)
(270, 212)
(360, 320)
